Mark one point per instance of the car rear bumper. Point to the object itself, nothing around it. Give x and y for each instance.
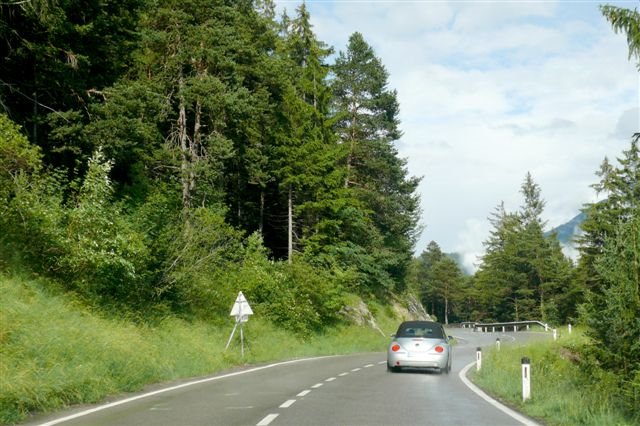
(395, 359)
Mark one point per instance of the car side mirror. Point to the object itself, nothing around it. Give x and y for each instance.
(393, 335)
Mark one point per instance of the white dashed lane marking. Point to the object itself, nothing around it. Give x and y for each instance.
(287, 403)
(271, 417)
(268, 419)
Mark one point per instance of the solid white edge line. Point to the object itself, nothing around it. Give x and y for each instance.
(268, 419)
(288, 403)
(514, 414)
(169, 389)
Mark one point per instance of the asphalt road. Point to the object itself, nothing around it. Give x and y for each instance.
(341, 390)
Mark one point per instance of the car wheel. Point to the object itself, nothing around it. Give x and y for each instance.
(391, 369)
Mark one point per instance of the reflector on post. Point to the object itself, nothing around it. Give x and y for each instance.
(526, 379)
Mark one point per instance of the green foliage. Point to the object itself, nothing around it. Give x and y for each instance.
(296, 296)
(440, 283)
(627, 21)
(16, 154)
(33, 221)
(103, 256)
(621, 186)
(56, 57)
(204, 248)
(613, 314)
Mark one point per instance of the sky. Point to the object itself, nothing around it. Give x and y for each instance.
(491, 90)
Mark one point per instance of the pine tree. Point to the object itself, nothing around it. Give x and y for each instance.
(366, 121)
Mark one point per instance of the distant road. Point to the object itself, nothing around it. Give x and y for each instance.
(340, 390)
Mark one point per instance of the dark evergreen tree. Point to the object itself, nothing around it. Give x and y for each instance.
(304, 159)
(524, 272)
(620, 187)
(446, 280)
(424, 268)
(366, 121)
(57, 57)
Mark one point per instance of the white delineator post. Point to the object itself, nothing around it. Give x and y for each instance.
(498, 343)
(526, 379)
(569, 328)
(555, 334)
(478, 358)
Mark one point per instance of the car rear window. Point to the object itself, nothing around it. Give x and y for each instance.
(420, 330)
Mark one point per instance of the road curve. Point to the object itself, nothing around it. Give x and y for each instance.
(341, 390)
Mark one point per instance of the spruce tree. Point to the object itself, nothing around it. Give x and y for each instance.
(620, 187)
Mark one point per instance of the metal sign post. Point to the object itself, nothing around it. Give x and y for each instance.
(241, 310)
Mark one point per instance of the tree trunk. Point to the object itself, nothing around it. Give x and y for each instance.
(352, 146)
(446, 310)
(195, 147)
(261, 224)
(290, 230)
(183, 141)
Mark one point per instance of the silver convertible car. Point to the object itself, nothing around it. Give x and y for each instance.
(419, 344)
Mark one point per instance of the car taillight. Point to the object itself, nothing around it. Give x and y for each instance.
(395, 348)
(439, 349)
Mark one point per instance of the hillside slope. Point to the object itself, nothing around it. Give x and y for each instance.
(56, 352)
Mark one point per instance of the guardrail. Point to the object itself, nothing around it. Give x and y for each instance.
(500, 326)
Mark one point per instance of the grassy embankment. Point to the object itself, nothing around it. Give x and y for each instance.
(55, 352)
(563, 392)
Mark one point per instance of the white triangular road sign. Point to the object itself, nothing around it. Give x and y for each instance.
(241, 309)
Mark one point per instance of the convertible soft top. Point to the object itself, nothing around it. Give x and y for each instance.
(425, 329)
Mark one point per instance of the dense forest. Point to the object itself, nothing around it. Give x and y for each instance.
(161, 155)
(157, 156)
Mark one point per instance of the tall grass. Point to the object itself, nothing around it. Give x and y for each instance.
(54, 352)
(562, 392)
